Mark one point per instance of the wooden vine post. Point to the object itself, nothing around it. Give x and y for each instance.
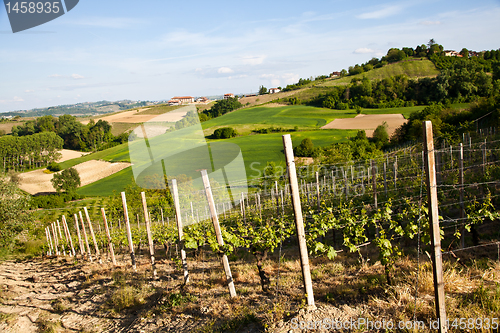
(148, 231)
(68, 234)
(374, 182)
(461, 180)
(218, 234)
(317, 189)
(178, 218)
(437, 263)
(129, 232)
(108, 235)
(54, 234)
(97, 252)
(49, 241)
(80, 242)
(299, 223)
(85, 236)
(58, 228)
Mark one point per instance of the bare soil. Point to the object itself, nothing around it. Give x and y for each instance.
(67, 154)
(73, 295)
(368, 122)
(136, 117)
(38, 181)
(76, 296)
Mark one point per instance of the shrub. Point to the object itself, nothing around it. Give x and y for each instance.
(224, 133)
(54, 167)
(305, 149)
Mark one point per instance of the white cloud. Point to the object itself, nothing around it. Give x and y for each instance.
(107, 22)
(381, 13)
(76, 76)
(430, 22)
(29, 91)
(225, 70)
(55, 75)
(242, 76)
(253, 60)
(15, 99)
(363, 50)
(275, 82)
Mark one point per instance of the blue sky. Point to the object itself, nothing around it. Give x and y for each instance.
(154, 50)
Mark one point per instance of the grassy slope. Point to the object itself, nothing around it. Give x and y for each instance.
(305, 117)
(412, 68)
(257, 149)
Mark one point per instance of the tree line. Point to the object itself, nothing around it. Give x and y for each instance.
(75, 135)
(31, 151)
(220, 107)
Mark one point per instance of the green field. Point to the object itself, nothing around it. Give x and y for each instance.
(105, 187)
(247, 120)
(114, 154)
(257, 150)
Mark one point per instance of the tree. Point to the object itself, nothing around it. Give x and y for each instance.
(68, 181)
(380, 135)
(13, 212)
(262, 90)
(464, 53)
(305, 149)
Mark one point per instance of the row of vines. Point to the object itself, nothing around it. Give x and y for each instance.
(380, 203)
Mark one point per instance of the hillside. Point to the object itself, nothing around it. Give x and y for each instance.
(81, 109)
(414, 68)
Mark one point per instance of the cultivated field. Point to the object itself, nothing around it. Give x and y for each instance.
(38, 181)
(368, 122)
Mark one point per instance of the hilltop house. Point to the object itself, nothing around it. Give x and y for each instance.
(183, 99)
(227, 96)
(451, 53)
(274, 90)
(335, 74)
(202, 100)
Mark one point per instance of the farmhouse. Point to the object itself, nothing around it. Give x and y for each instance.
(173, 102)
(183, 99)
(226, 96)
(274, 90)
(451, 53)
(202, 100)
(335, 74)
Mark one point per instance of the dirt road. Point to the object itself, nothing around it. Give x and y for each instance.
(59, 294)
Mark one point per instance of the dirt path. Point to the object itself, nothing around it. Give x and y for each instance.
(34, 292)
(69, 297)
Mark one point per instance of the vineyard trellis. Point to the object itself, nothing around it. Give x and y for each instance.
(345, 207)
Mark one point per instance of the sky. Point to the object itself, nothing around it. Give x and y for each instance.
(154, 50)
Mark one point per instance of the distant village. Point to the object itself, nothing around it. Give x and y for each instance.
(181, 100)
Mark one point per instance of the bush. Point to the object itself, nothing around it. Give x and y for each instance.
(54, 167)
(380, 135)
(224, 133)
(305, 149)
(52, 200)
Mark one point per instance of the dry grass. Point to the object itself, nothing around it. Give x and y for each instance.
(344, 288)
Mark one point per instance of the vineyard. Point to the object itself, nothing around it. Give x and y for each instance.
(362, 220)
